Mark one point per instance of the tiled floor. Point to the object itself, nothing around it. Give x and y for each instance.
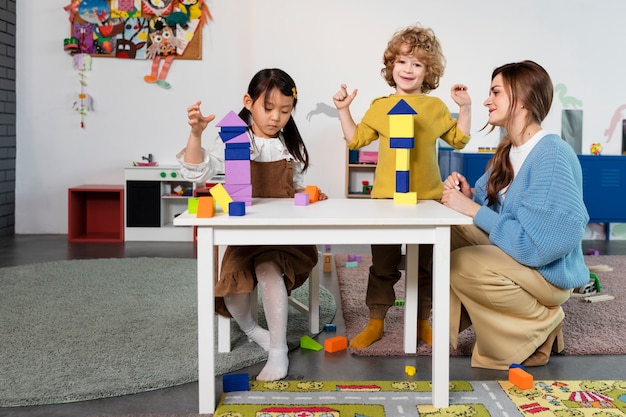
(24, 249)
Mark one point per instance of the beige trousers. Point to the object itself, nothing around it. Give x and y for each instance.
(512, 307)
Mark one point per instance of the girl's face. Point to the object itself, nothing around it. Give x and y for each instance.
(408, 74)
(271, 115)
(498, 102)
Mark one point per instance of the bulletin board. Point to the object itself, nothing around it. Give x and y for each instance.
(137, 29)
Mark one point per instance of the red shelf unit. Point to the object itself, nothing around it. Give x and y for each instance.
(96, 213)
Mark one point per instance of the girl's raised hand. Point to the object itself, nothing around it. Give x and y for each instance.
(196, 120)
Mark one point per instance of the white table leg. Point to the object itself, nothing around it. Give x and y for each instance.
(441, 317)
(411, 297)
(206, 326)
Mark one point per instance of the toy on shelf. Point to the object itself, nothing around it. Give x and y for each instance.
(595, 148)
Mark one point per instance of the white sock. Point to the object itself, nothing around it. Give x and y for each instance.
(276, 306)
(238, 306)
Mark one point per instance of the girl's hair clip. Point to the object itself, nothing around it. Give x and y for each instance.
(294, 93)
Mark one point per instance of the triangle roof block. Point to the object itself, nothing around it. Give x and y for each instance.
(231, 119)
(402, 107)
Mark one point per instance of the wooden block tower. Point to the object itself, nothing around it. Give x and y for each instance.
(236, 158)
(402, 139)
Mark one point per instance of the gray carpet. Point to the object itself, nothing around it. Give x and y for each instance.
(87, 329)
(588, 328)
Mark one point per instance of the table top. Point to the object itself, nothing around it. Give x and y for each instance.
(282, 212)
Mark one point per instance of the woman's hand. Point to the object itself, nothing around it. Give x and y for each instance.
(458, 182)
(457, 195)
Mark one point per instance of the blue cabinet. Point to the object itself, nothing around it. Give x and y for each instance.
(604, 181)
(471, 165)
(604, 187)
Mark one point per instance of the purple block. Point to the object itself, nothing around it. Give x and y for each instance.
(301, 199)
(237, 172)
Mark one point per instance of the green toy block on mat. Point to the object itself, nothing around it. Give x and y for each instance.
(351, 264)
(307, 342)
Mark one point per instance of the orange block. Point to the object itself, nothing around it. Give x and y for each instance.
(206, 208)
(313, 192)
(335, 344)
(520, 378)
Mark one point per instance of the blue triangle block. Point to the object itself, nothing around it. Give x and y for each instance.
(402, 107)
(228, 135)
(231, 119)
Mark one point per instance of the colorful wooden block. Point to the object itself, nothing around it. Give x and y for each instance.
(403, 159)
(328, 262)
(410, 370)
(351, 264)
(401, 107)
(402, 182)
(237, 171)
(401, 143)
(206, 207)
(335, 344)
(307, 342)
(221, 196)
(520, 378)
(237, 154)
(301, 199)
(405, 198)
(313, 192)
(401, 126)
(192, 205)
(236, 382)
(236, 208)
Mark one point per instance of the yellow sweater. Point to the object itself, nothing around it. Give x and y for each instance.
(432, 121)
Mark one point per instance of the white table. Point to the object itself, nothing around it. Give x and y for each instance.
(333, 221)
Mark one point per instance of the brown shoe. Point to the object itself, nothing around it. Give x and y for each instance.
(554, 343)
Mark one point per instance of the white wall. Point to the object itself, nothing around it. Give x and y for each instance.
(321, 44)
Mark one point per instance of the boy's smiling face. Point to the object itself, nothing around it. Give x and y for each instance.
(408, 74)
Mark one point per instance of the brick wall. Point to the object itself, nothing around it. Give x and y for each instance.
(7, 117)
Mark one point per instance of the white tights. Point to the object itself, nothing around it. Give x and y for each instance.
(276, 306)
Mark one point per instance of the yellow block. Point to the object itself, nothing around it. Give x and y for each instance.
(403, 158)
(401, 126)
(405, 198)
(221, 196)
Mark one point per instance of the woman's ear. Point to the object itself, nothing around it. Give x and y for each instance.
(247, 101)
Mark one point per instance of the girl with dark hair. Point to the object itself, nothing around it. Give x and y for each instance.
(278, 161)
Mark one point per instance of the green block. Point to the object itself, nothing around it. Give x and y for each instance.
(351, 264)
(307, 342)
(192, 205)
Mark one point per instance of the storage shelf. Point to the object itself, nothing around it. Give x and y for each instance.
(96, 213)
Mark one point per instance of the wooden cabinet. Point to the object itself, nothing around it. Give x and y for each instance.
(356, 173)
(96, 213)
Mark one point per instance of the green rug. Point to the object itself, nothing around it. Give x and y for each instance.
(86, 329)
(413, 398)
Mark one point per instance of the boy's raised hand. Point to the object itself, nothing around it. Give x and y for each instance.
(342, 99)
(460, 95)
(195, 119)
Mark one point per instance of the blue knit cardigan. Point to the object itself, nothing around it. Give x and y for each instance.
(542, 220)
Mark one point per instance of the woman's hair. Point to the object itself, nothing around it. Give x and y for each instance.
(527, 84)
(262, 84)
(423, 45)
